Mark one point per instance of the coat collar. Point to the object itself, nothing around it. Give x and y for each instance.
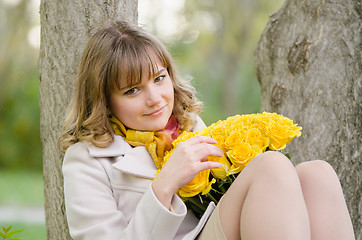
(117, 148)
(131, 160)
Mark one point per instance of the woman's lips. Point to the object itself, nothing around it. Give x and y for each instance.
(156, 113)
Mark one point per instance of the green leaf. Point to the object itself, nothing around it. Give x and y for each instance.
(2, 235)
(16, 239)
(12, 233)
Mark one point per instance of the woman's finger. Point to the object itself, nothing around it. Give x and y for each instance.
(209, 165)
(204, 150)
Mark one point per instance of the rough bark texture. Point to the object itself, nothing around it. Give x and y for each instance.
(309, 66)
(65, 29)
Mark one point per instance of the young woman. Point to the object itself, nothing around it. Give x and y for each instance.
(127, 87)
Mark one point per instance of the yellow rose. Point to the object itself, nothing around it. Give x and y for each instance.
(255, 137)
(203, 132)
(295, 131)
(200, 184)
(241, 155)
(281, 134)
(234, 139)
(220, 173)
(239, 122)
(278, 135)
(218, 129)
(266, 116)
(183, 137)
(220, 142)
(259, 124)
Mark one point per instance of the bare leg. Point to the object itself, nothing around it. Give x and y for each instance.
(265, 202)
(328, 213)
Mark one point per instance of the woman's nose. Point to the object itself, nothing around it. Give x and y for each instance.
(153, 97)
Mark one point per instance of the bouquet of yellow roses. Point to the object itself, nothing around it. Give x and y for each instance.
(241, 137)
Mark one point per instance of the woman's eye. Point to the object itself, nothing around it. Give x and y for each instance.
(131, 91)
(159, 78)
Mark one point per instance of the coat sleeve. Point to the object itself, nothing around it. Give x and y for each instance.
(92, 211)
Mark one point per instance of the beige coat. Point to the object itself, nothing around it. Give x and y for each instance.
(108, 195)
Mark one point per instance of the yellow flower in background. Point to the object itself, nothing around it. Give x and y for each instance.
(200, 184)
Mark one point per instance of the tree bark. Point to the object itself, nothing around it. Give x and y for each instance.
(308, 63)
(65, 28)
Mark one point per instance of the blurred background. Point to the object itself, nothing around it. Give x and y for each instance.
(211, 41)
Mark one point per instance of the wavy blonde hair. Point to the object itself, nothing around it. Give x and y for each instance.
(119, 52)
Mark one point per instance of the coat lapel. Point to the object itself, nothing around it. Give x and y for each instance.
(137, 162)
(131, 160)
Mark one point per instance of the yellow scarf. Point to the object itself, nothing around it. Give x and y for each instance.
(157, 143)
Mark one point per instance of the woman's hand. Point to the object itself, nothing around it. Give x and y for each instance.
(186, 161)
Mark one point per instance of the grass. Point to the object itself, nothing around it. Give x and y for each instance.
(23, 188)
(30, 231)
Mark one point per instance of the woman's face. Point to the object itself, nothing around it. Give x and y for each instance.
(146, 106)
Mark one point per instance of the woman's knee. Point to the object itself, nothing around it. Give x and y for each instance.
(317, 173)
(273, 164)
(273, 159)
(315, 169)
(270, 167)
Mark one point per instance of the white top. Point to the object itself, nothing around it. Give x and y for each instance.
(108, 195)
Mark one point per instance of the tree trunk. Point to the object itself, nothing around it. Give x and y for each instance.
(309, 66)
(65, 29)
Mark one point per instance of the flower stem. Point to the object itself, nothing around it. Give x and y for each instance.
(222, 189)
(213, 199)
(192, 200)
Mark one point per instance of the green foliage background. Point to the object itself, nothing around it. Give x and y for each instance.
(220, 62)
(20, 146)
